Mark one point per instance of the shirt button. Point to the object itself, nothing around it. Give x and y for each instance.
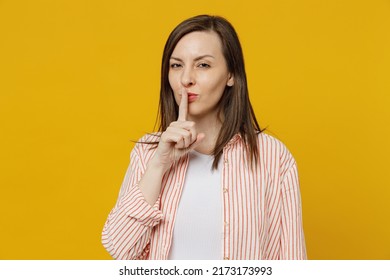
(226, 258)
(226, 161)
(226, 224)
(225, 190)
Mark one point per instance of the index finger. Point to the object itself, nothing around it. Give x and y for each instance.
(183, 107)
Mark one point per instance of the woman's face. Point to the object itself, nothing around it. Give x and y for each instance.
(197, 65)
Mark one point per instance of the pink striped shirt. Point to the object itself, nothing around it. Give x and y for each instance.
(261, 206)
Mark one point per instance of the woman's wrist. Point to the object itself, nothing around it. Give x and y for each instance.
(157, 165)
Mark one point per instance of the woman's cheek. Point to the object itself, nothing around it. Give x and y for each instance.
(174, 82)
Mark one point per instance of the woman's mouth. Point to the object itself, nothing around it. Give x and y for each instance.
(192, 97)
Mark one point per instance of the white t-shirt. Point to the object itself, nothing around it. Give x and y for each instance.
(198, 232)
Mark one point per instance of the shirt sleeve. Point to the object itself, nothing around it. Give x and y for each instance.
(292, 237)
(127, 231)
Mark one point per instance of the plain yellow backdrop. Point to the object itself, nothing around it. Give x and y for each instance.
(80, 79)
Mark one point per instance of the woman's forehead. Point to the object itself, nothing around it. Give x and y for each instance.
(198, 43)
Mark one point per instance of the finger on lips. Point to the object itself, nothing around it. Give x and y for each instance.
(182, 132)
(183, 106)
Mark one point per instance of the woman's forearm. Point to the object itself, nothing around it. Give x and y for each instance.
(150, 184)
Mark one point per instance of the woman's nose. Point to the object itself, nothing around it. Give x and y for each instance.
(187, 77)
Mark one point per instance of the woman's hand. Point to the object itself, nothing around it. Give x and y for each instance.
(179, 138)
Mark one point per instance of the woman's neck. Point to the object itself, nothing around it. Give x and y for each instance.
(211, 128)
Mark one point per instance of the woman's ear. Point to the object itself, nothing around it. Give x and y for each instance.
(230, 81)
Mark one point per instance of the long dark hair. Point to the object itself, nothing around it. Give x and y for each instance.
(234, 105)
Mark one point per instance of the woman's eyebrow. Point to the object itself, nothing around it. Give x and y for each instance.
(196, 59)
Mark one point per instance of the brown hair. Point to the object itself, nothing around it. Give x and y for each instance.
(234, 104)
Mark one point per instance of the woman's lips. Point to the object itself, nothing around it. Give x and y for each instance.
(192, 97)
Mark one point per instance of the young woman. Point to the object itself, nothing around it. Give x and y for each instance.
(210, 184)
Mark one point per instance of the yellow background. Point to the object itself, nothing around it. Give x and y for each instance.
(80, 79)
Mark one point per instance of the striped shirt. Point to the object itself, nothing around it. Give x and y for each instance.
(262, 216)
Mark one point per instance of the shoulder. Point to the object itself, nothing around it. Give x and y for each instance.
(265, 139)
(149, 137)
(272, 149)
(146, 144)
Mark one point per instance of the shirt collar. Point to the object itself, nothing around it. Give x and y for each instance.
(235, 138)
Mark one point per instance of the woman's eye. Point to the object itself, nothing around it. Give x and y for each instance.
(204, 65)
(175, 65)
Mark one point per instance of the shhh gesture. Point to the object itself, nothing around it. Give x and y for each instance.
(179, 138)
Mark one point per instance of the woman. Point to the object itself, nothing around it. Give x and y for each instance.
(212, 186)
